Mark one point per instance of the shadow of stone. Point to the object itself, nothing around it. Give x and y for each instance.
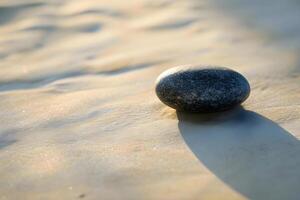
(248, 152)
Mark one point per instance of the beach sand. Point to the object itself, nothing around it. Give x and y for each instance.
(80, 119)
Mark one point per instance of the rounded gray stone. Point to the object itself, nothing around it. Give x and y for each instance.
(202, 89)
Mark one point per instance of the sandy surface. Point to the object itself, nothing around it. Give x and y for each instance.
(79, 117)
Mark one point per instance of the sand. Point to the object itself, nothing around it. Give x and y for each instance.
(79, 117)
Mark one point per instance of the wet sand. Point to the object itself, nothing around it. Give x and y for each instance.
(79, 117)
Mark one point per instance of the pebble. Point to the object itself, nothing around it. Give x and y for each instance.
(202, 89)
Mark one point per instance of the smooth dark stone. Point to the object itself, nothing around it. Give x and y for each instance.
(202, 89)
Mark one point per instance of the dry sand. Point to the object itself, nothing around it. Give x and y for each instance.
(80, 119)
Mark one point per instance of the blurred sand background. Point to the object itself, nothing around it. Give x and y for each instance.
(79, 118)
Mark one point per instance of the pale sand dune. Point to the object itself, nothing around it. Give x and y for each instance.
(80, 119)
